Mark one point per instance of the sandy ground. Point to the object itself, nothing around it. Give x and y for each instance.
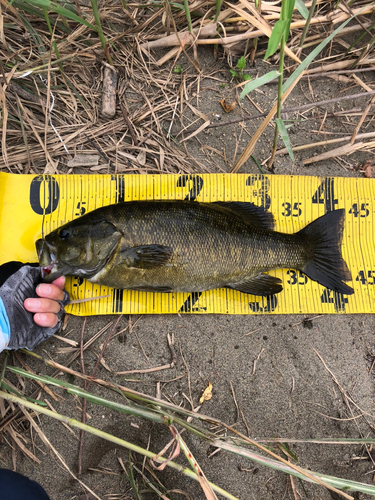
(288, 392)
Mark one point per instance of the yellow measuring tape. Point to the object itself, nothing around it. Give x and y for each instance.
(30, 203)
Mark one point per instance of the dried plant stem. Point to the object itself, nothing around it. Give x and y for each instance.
(128, 123)
(362, 119)
(164, 417)
(113, 439)
(47, 442)
(347, 149)
(366, 135)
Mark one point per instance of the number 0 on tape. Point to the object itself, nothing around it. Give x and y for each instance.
(30, 203)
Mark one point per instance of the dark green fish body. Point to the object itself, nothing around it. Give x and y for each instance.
(189, 246)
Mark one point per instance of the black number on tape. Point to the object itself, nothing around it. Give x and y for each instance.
(188, 305)
(325, 194)
(338, 299)
(262, 192)
(197, 185)
(296, 277)
(79, 282)
(259, 307)
(120, 187)
(359, 212)
(366, 277)
(80, 208)
(117, 303)
(44, 189)
(295, 211)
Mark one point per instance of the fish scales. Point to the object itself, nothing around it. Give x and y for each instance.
(191, 246)
(229, 254)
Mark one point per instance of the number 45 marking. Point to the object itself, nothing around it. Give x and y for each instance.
(359, 212)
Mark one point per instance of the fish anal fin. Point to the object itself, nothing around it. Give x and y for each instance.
(250, 213)
(147, 256)
(262, 284)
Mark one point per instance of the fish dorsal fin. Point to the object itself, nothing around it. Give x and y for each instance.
(147, 256)
(250, 213)
(262, 284)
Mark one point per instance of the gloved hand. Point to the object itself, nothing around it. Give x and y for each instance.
(18, 328)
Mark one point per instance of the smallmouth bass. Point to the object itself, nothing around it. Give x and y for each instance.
(185, 246)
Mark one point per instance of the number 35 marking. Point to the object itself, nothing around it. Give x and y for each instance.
(296, 277)
(296, 211)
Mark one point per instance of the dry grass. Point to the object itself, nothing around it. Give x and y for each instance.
(52, 77)
(51, 92)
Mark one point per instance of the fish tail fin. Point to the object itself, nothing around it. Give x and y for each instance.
(322, 241)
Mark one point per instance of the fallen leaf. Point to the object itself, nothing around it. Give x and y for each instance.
(207, 394)
(81, 160)
(141, 158)
(368, 171)
(227, 107)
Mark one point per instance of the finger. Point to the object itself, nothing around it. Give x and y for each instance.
(51, 291)
(46, 319)
(60, 282)
(42, 306)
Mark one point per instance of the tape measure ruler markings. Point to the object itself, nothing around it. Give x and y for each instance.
(294, 200)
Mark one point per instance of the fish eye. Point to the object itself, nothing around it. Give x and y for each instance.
(64, 233)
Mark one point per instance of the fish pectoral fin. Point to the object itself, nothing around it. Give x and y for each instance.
(250, 213)
(147, 256)
(262, 284)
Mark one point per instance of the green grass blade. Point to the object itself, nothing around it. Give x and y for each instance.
(43, 4)
(277, 32)
(132, 482)
(95, 10)
(289, 14)
(31, 6)
(21, 5)
(72, 389)
(34, 35)
(6, 357)
(360, 38)
(258, 165)
(32, 400)
(188, 16)
(313, 55)
(258, 82)
(218, 7)
(285, 136)
(54, 45)
(71, 15)
(302, 9)
(307, 23)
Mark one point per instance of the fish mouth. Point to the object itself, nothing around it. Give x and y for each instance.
(48, 266)
(47, 270)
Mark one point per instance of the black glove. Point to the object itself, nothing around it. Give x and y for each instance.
(17, 328)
